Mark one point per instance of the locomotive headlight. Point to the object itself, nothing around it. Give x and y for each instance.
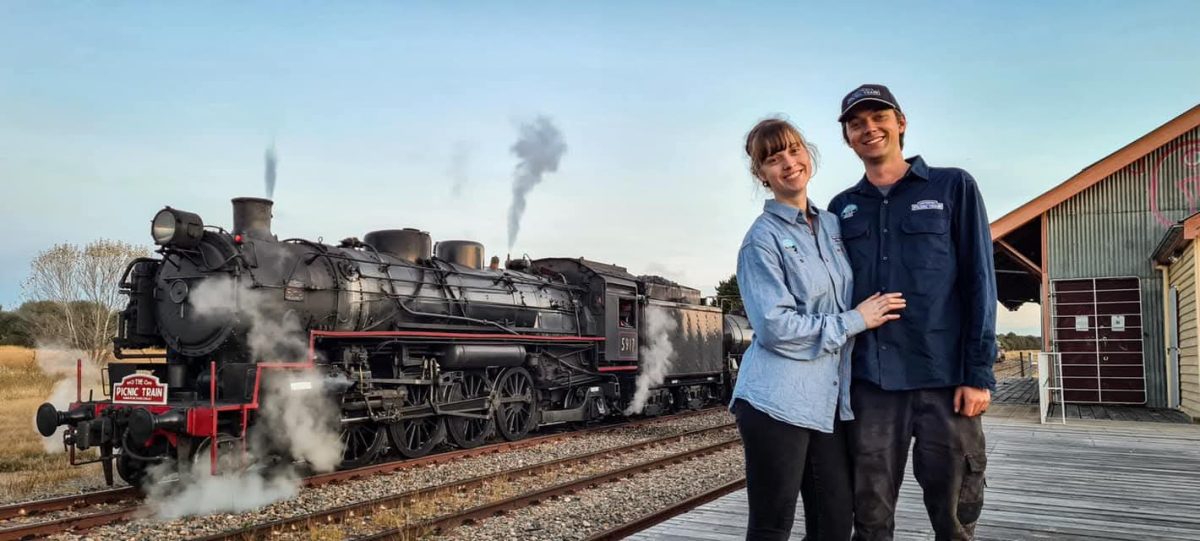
(174, 227)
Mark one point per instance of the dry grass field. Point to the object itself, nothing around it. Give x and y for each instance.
(24, 463)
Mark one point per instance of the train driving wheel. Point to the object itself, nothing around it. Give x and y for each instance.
(232, 457)
(517, 411)
(415, 437)
(361, 443)
(469, 432)
(133, 469)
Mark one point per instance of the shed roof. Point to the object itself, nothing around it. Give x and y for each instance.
(1096, 172)
(1019, 236)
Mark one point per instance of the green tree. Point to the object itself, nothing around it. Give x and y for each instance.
(729, 296)
(14, 330)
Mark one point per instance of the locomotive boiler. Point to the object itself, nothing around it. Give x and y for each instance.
(417, 345)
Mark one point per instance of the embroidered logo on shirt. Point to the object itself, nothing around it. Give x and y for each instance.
(849, 211)
(928, 204)
(789, 244)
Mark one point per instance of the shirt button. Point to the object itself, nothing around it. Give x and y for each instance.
(885, 201)
(835, 384)
(883, 348)
(885, 258)
(885, 230)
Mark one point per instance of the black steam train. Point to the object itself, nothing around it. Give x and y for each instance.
(417, 346)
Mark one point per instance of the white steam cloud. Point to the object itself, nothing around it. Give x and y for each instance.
(306, 418)
(540, 147)
(229, 492)
(58, 360)
(297, 420)
(274, 332)
(657, 355)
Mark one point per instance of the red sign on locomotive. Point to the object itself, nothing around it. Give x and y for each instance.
(140, 389)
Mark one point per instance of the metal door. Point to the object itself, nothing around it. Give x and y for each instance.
(1098, 331)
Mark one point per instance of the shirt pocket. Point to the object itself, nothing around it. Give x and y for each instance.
(807, 276)
(856, 237)
(926, 241)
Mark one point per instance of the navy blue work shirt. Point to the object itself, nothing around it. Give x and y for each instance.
(929, 239)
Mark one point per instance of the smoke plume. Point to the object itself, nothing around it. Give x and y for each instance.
(270, 172)
(657, 356)
(297, 420)
(59, 361)
(460, 159)
(540, 147)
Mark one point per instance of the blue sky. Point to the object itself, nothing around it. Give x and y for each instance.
(108, 111)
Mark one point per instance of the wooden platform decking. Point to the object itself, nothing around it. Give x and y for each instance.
(1023, 391)
(1016, 391)
(1088, 479)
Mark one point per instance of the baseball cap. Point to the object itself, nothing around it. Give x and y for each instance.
(865, 93)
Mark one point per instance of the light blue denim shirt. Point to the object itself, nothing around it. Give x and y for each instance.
(796, 287)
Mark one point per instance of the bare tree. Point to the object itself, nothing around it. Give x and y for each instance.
(82, 285)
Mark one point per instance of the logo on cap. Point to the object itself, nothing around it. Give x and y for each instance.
(869, 92)
(863, 92)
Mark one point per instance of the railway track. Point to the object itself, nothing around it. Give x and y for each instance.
(644, 522)
(424, 509)
(122, 504)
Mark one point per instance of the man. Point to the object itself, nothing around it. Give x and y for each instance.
(921, 231)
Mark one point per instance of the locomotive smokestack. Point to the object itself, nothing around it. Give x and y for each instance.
(252, 217)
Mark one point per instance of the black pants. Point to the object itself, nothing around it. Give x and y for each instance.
(948, 460)
(784, 460)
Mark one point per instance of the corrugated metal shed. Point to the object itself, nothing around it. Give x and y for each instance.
(1112, 228)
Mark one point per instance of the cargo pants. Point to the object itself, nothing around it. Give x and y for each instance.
(949, 459)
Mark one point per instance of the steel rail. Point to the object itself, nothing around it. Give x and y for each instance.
(341, 513)
(87, 521)
(661, 515)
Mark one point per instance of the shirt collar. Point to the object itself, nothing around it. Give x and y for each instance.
(789, 213)
(917, 170)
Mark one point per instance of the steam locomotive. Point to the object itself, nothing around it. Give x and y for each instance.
(416, 345)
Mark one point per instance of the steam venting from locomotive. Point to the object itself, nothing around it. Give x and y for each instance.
(656, 356)
(274, 334)
(59, 361)
(269, 176)
(205, 494)
(297, 417)
(540, 147)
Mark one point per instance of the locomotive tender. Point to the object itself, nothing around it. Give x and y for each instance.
(415, 345)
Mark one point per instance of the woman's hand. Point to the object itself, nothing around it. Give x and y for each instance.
(874, 309)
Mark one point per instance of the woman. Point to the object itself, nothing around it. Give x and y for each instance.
(792, 396)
